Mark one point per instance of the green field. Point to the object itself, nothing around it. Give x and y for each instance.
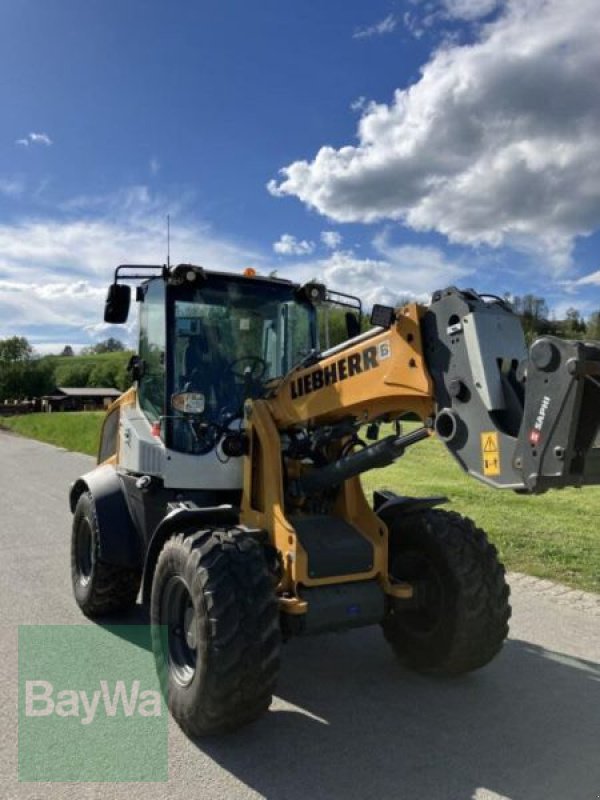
(75, 430)
(555, 535)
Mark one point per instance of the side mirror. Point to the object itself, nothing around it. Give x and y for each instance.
(117, 303)
(352, 325)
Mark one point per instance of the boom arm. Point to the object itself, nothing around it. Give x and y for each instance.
(526, 421)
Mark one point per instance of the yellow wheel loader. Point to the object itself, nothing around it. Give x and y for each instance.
(228, 491)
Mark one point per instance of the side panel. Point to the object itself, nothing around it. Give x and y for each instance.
(109, 444)
(142, 453)
(120, 542)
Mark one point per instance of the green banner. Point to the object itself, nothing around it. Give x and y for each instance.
(90, 705)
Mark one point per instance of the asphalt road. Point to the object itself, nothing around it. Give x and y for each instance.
(348, 722)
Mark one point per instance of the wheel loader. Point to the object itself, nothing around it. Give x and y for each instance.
(228, 491)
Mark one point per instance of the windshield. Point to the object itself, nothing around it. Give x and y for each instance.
(233, 336)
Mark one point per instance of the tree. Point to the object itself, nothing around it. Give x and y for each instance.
(74, 373)
(533, 311)
(593, 326)
(573, 326)
(110, 345)
(67, 351)
(15, 349)
(104, 374)
(21, 379)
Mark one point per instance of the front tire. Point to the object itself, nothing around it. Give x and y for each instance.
(215, 630)
(99, 588)
(459, 618)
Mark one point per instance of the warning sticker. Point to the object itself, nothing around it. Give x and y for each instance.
(490, 453)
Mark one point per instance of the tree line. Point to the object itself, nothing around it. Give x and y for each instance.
(23, 375)
(537, 321)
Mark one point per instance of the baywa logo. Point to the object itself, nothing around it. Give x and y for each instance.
(90, 705)
(42, 700)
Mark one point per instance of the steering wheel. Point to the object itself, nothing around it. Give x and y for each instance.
(257, 365)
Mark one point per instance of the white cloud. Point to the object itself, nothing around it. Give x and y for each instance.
(40, 138)
(397, 273)
(331, 239)
(11, 187)
(54, 347)
(497, 143)
(593, 279)
(35, 138)
(359, 104)
(154, 166)
(288, 245)
(54, 271)
(470, 9)
(433, 17)
(386, 25)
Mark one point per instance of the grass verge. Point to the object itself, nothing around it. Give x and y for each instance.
(555, 535)
(74, 430)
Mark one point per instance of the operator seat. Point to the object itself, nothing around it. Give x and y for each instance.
(205, 369)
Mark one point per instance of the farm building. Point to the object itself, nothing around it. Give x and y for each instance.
(79, 399)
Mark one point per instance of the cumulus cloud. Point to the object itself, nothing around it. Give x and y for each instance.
(397, 272)
(288, 245)
(331, 239)
(54, 270)
(386, 25)
(497, 142)
(35, 138)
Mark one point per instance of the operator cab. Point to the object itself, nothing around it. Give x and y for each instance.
(230, 338)
(208, 341)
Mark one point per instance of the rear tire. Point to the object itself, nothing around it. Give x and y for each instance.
(215, 630)
(99, 588)
(461, 612)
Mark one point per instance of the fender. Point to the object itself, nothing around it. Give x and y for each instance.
(386, 503)
(119, 540)
(183, 518)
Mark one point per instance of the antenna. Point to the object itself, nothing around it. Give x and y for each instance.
(168, 241)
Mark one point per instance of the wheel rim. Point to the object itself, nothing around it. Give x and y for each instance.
(416, 568)
(179, 617)
(83, 552)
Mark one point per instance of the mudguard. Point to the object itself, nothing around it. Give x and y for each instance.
(182, 518)
(119, 540)
(386, 504)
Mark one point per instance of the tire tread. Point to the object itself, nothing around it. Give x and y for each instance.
(481, 609)
(232, 583)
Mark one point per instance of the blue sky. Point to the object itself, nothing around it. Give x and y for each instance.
(391, 148)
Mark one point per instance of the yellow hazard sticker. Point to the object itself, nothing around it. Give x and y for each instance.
(490, 453)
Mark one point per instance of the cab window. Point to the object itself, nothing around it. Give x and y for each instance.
(151, 385)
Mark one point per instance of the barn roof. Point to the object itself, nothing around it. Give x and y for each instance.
(89, 391)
